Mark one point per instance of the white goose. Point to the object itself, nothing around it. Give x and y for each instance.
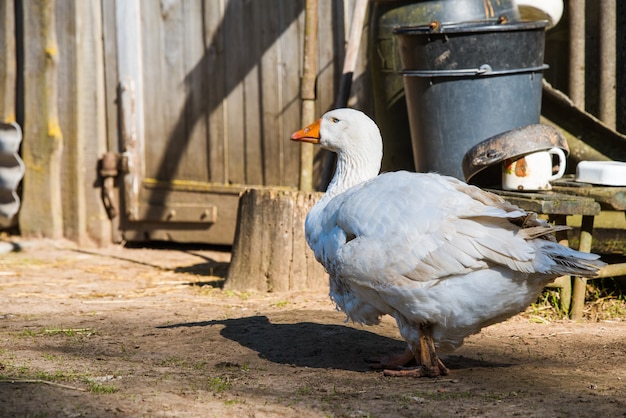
(445, 259)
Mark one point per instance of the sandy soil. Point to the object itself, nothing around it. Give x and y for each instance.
(148, 332)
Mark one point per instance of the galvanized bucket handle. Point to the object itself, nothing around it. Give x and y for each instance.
(483, 70)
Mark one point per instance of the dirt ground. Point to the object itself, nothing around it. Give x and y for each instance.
(149, 332)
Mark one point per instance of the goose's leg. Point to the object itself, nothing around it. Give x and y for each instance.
(429, 363)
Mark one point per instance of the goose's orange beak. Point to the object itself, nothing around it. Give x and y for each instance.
(309, 134)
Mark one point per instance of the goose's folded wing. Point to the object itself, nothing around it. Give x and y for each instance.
(423, 228)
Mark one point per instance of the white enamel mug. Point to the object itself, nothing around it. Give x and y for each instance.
(533, 171)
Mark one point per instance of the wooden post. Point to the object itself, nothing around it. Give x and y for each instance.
(608, 62)
(564, 283)
(580, 283)
(270, 253)
(576, 9)
(7, 62)
(308, 91)
(41, 213)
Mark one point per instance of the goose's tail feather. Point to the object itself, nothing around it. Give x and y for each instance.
(566, 261)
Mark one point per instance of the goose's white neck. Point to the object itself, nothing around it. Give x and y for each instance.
(352, 169)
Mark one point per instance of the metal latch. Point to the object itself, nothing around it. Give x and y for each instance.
(111, 165)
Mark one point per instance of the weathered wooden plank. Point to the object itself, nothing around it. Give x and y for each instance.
(290, 70)
(41, 213)
(612, 198)
(7, 62)
(269, 48)
(158, 93)
(72, 176)
(111, 80)
(331, 45)
(252, 111)
(155, 109)
(235, 67)
(552, 203)
(196, 107)
(91, 104)
(221, 75)
(130, 65)
(82, 119)
(331, 53)
(215, 90)
(174, 143)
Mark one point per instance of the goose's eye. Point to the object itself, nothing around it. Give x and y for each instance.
(334, 120)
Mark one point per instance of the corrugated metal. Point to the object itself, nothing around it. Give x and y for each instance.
(11, 170)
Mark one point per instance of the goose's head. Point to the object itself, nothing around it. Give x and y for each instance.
(353, 136)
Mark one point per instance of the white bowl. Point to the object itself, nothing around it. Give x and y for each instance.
(608, 173)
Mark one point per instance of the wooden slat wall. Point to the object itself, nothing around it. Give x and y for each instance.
(222, 88)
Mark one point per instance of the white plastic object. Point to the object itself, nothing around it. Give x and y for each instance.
(550, 10)
(607, 173)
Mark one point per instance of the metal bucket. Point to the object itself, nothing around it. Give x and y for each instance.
(390, 110)
(466, 82)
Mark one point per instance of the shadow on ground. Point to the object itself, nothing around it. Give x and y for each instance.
(309, 344)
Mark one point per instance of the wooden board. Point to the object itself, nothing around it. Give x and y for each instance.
(611, 198)
(82, 116)
(551, 203)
